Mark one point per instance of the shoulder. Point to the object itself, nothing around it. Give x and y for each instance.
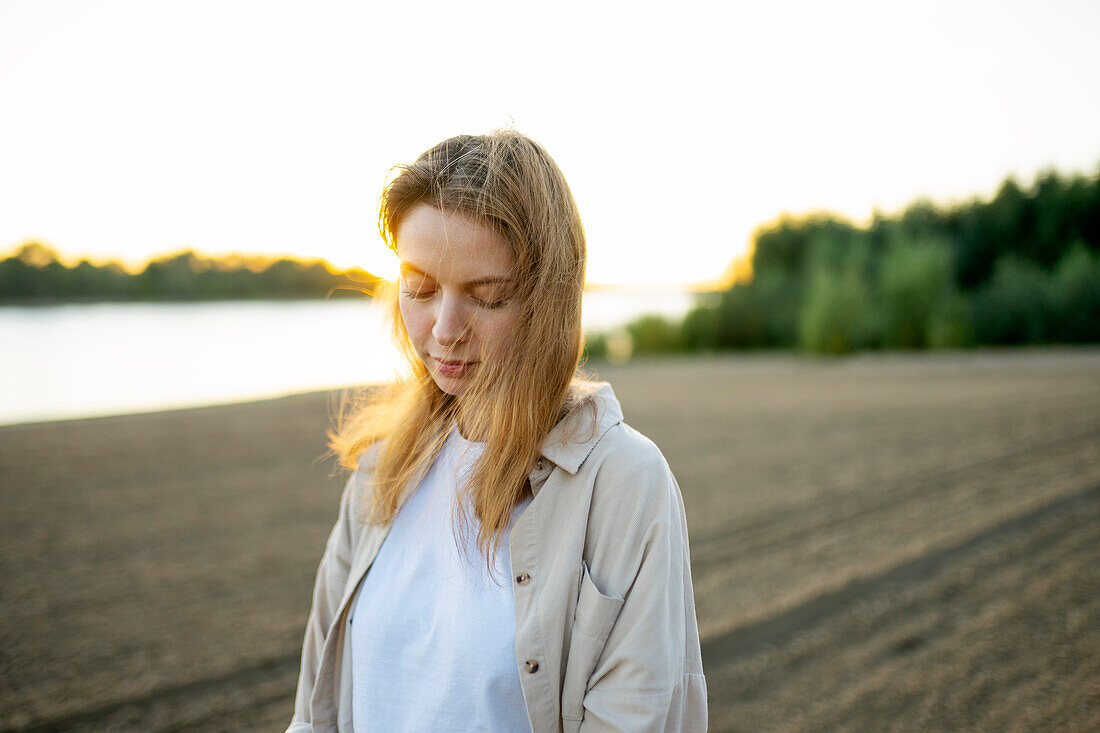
(367, 459)
(357, 490)
(607, 451)
(624, 449)
(636, 516)
(631, 475)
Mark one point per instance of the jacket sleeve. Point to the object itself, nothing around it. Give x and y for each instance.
(328, 590)
(649, 674)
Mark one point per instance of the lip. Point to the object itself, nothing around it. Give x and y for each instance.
(452, 367)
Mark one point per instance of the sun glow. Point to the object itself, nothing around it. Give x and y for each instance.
(679, 132)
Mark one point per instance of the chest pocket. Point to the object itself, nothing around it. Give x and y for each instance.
(592, 623)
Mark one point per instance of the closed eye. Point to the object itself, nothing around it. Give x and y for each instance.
(491, 304)
(417, 294)
(491, 295)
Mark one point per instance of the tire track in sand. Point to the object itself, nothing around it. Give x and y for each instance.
(776, 630)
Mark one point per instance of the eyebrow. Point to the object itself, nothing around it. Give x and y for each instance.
(408, 267)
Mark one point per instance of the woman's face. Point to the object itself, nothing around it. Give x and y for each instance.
(456, 292)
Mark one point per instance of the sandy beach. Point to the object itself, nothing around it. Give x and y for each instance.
(899, 541)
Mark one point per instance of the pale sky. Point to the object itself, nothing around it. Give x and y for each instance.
(133, 128)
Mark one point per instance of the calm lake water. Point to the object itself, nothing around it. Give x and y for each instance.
(85, 360)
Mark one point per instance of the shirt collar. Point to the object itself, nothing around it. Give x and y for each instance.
(576, 435)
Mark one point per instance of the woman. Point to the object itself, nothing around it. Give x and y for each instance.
(527, 550)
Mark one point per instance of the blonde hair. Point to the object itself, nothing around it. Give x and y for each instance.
(507, 182)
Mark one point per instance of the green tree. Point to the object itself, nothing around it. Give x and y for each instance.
(1015, 306)
(654, 335)
(834, 314)
(916, 291)
(1075, 296)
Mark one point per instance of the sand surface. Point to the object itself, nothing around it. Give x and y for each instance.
(899, 542)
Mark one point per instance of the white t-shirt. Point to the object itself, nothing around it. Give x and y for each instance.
(432, 634)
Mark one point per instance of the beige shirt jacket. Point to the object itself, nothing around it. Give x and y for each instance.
(606, 634)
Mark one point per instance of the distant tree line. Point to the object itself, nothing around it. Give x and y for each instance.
(1022, 268)
(34, 274)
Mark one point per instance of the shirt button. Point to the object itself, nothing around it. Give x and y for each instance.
(531, 666)
(523, 578)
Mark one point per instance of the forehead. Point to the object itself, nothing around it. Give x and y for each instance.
(448, 245)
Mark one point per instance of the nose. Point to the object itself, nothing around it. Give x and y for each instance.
(450, 322)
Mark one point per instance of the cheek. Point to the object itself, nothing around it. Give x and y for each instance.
(498, 333)
(414, 320)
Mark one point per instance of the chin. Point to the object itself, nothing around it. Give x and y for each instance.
(453, 387)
